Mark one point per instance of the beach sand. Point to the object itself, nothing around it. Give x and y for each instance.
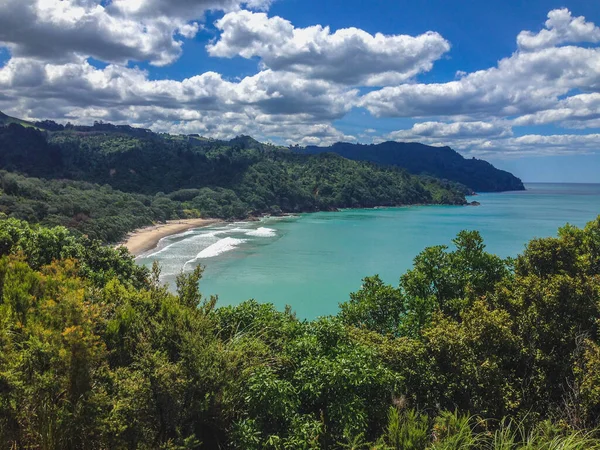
(147, 238)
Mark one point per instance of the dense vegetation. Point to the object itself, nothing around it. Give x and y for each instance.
(119, 178)
(99, 212)
(441, 162)
(469, 351)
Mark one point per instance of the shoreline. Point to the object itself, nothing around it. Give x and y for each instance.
(147, 238)
(143, 239)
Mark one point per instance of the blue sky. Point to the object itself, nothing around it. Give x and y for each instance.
(514, 82)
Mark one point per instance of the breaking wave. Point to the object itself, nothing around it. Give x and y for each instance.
(262, 232)
(219, 247)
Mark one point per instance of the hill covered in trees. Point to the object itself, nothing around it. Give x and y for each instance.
(441, 162)
(105, 180)
(468, 351)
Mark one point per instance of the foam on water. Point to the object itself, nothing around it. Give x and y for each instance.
(185, 233)
(221, 246)
(194, 238)
(225, 231)
(235, 230)
(262, 232)
(208, 241)
(322, 257)
(157, 252)
(158, 249)
(277, 218)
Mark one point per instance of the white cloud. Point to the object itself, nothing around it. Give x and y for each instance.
(561, 27)
(306, 77)
(521, 84)
(577, 111)
(185, 9)
(58, 30)
(140, 30)
(539, 145)
(348, 56)
(476, 139)
(30, 81)
(515, 147)
(455, 130)
(277, 101)
(543, 82)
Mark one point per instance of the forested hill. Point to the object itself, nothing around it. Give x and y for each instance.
(441, 162)
(105, 180)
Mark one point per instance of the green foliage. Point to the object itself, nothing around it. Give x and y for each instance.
(106, 180)
(493, 337)
(406, 430)
(98, 212)
(377, 307)
(41, 246)
(441, 280)
(468, 352)
(441, 162)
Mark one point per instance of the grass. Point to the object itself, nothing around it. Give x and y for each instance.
(7, 120)
(410, 430)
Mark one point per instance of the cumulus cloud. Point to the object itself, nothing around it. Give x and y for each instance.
(83, 84)
(307, 77)
(123, 30)
(455, 130)
(49, 75)
(561, 27)
(506, 146)
(577, 111)
(80, 92)
(520, 84)
(544, 82)
(348, 56)
(185, 9)
(538, 84)
(538, 145)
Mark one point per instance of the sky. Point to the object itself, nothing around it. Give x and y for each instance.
(514, 82)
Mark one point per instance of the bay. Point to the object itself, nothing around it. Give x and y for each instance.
(313, 261)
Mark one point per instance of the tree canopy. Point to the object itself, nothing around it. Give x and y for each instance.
(441, 162)
(468, 351)
(106, 180)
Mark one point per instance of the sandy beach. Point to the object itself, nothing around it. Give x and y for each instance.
(147, 238)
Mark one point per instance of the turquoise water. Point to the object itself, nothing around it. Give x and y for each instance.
(313, 261)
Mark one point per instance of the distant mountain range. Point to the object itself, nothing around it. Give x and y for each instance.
(419, 159)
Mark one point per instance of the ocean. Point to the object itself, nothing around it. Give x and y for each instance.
(313, 261)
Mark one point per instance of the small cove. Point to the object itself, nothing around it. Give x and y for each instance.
(313, 261)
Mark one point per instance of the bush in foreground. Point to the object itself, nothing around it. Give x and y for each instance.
(469, 351)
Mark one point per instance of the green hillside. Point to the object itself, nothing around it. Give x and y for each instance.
(54, 177)
(7, 120)
(441, 162)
